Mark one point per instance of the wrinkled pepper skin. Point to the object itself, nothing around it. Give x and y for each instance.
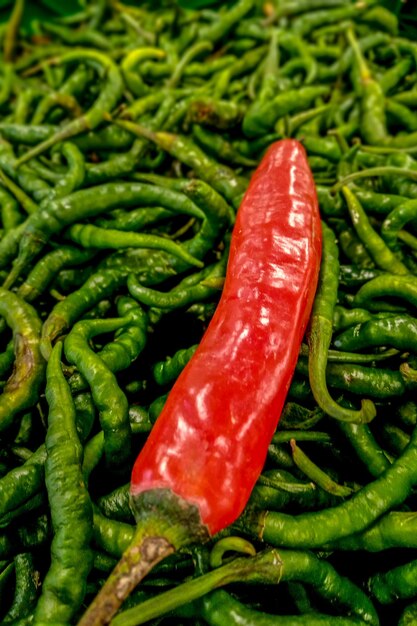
(209, 444)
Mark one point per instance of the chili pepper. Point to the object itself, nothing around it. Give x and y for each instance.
(294, 7)
(406, 413)
(25, 594)
(400, 115)
(317, 475)
(115, 505)
(408, 97)
(393, 76)
(21, 390)
(13, 24)
(24, 200)
(108, 397)
(89, 236)
(220, 148)
(366, 448)
(129, 68)
(75, 175)
(106, 138)
(289, 494)
(220, 605)
(151, 267)
(69, 501)
(10, 214)
(399, 332)
(288, 565)
(360, 380)
(394, 438)
(408, 615)
(354, 515)
(167, 371)
(62, 100)
(400, 184)
(30, 182)
(48, 267)
(375, 245)
(107, 99)
(22, 482)
(386, 285)
(67, 96)
(397, 583)
(282, 155)
(98, 286)
(7, 359)
(192, 52)
(343, 318)
(127, 345)
(220, 114)
(396, 220)
(84, 37)
(61, 212)
(134, 220)
(123, 164)
(203, 285)
(261, 119)
(320, 334)
(222, 179)
(306, 23)
(222, 27)
(111, 535)
(353, 248)
(354, 276)
(386, 170)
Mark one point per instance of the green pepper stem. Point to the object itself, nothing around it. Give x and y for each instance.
(266, 566)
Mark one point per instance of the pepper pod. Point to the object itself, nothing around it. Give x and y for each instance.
(196, 471)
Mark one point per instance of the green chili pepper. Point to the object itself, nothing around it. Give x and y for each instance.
(48, 267)
(107, 99)
(129, 68)
(69, 501)
(7, 359)
(167, 371)
(25, 594)
(90, 236)
(353, 516)
(320, 335)
(317, 475)
(22, 388)
(397, 583)
(386, 285)
(115, 505)
(378, 383)
(128, 343)
(220, 177)
(261, 118)
(9, 210)
(366, 448)
(108, 397)
(201, 286)
(375, 245)
(276, 566)
(134, 220)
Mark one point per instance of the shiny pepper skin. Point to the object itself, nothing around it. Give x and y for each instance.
(209, 444)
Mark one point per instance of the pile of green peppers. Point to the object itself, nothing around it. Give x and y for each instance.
(128, 135)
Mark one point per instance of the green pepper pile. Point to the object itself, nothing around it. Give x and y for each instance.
(128, 135)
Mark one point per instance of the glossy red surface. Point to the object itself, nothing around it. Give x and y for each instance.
(210, 442)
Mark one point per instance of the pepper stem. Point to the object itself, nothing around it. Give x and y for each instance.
(137, 560)
(165, 523)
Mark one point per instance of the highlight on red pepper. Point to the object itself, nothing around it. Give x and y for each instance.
(200, 463)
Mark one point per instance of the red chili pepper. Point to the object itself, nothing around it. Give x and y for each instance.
(200, 463)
